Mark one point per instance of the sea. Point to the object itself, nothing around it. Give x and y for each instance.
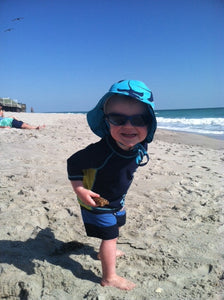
(204, 121)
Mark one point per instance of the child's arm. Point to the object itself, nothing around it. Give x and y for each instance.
(84, 194)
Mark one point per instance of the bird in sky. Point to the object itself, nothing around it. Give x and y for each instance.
(8, 29)
(18, 19)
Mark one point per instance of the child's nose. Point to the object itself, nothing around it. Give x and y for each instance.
(128, 124)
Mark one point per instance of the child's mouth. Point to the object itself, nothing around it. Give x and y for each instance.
(128, 135)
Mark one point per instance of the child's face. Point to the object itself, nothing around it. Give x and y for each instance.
(127, 135)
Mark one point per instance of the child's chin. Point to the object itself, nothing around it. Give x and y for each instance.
(126, 146)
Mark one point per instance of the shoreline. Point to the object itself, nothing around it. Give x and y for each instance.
(193, 139)
(172, 238)
(213, 136)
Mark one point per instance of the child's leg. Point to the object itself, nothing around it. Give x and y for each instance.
(108, 260)
(119, 253)
(121, 219)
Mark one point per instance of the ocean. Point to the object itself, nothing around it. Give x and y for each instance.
(205, 121)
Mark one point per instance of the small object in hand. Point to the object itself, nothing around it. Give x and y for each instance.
(100, 201)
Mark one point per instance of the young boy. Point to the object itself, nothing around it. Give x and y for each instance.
(125, 120)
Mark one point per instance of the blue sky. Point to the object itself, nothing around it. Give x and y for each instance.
(65, 54)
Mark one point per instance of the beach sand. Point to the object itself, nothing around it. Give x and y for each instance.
(173, 239)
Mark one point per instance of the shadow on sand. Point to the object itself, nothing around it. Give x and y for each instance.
(46, 247)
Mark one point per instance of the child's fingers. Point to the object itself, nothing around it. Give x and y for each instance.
(94, 194)
(91, 202)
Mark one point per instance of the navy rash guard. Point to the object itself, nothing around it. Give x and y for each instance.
(105, 169)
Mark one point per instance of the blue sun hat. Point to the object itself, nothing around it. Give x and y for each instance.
(132, 88)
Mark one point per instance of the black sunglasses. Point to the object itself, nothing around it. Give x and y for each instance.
(135, 120)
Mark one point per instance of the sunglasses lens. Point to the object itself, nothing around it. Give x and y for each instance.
(135, 120)
(138, 120)
(117, 119)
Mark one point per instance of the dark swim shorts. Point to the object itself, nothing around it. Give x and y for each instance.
(17, 124)
(103, 226)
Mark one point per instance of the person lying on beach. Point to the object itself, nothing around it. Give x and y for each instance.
(125, 120)
(12, 122)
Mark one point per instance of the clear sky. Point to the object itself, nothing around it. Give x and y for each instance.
(63, 55)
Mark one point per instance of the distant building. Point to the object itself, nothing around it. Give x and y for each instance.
(12, 105)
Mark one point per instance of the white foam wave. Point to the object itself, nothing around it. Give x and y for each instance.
(193, 130)
(210, 126)
(203, 121)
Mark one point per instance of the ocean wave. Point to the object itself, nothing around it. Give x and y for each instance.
(207, 126)
(193, 130)
(185, 121)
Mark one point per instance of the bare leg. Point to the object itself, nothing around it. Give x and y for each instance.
(27, 126)
(119, 253)
(108, 260)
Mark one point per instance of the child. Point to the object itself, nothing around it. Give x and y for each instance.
(125, 120)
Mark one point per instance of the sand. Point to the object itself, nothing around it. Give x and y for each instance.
(173, 239)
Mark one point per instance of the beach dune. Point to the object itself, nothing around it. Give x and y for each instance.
(174, 234)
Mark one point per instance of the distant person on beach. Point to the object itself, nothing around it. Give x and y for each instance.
(12, 122)
(1, 112)
(125, 120)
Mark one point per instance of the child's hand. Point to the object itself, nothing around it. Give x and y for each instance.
(84, 194)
